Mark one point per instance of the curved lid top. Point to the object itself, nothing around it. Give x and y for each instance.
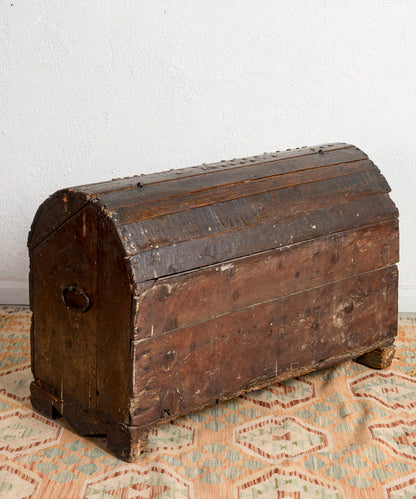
(182, 219)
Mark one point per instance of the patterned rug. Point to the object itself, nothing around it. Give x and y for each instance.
(345, 432)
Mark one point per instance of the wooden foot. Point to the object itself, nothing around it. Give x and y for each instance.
(84, 422)
(126, 442)
(381, 358)
(43, 402)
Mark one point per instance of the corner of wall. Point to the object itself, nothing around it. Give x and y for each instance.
(14, 293)
(407, 299)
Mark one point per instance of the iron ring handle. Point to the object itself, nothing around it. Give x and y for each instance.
(76, 299)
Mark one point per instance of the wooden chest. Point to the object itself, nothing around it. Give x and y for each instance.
(156, 295)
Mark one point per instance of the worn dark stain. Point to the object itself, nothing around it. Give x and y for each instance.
(315, 326)
(164, 292)
(172, 323)
(349, 308)
(334, 258)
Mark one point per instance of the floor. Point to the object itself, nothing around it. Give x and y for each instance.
(347, 431)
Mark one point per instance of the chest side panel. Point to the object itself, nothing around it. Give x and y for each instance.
(188, 368)
(182, 300)
(63, 339)
(301, 263)
(54, 212)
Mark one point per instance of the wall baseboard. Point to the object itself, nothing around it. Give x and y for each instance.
(17, 293)
(407, 299)
(14, 293)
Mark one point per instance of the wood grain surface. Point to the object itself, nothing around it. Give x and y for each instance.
(154, 296)
(247, 348)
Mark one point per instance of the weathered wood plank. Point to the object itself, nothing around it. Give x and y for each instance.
(255, 177)
(113, 378)
(213, 220)
(276, 226)
(204, 169)
(218, 358)
(182, 300)
(299, 193)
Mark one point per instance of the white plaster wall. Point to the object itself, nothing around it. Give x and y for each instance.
(101, 89)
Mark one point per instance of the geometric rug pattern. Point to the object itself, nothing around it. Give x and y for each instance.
(343, 432)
